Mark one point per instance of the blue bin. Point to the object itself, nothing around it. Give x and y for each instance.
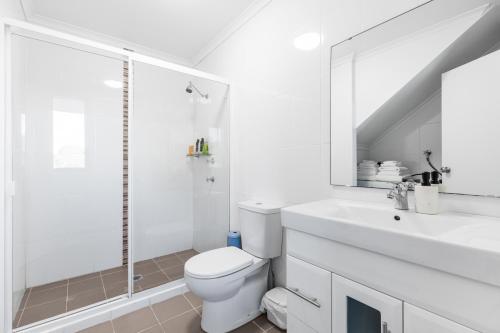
(234, 239)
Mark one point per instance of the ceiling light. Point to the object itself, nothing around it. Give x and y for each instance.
(113, 84)
(308, 41)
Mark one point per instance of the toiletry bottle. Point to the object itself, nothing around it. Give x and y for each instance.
(426, 196)
(197, 145)
(204, 150)
(202, 143)
(190, 150)
(436, 180)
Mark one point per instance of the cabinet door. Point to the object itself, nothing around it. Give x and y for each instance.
(295, 325)
(470, 105)
(359, 309)
(418, 320)
(309, 295)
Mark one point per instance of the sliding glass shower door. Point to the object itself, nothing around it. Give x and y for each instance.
(68, 153)
(180, 195)
(89, 195)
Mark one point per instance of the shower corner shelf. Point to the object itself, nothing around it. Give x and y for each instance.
(198, 155)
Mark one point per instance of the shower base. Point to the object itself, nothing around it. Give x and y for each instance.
(45, 301)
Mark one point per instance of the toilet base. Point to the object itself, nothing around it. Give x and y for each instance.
(229, 314)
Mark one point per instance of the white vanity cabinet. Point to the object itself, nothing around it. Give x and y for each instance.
(320, 301)
(417, 320)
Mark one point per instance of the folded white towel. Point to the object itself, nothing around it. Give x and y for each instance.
(393, 173)
(367, 168)
(392, 163)
(393, 168)
(363, 177)
(367, 173)
(371, 165)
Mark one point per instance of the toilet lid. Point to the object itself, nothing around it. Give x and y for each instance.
(218, 262)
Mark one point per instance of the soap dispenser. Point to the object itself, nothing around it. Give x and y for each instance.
(426, 196)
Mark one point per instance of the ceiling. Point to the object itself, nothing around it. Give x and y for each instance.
(181, 28)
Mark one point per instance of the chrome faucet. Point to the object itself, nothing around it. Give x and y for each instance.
(399, 193)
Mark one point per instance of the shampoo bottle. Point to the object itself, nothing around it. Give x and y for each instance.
(426, 196)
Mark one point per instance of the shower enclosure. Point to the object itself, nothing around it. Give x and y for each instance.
(104, 198)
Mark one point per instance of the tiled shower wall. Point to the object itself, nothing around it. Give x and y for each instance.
(125, 164)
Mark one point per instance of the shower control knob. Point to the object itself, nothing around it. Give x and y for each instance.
(445, 169)
(210, 179)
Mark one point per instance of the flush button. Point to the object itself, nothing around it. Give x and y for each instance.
(397, 218)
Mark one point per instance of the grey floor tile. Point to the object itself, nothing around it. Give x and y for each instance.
(49, 286)
(44, 311)
(135, 321)
(154, 329)
(170, 308)
(169, 262)
(166, 257)
(175, 272)
(112, 278)
(248, 328)
(263, 323)
(152, 280)
(193, 299)
(95, 287)
(47, 295)
(94, 283)
(185, 255)
(116, 289)
(84, 277)
(115, 270)
(145, 267)
(85, 298)
(187, 323)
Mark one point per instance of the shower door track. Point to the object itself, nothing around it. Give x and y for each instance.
(7, 185)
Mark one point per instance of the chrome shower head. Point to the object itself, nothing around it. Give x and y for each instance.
(191, 86)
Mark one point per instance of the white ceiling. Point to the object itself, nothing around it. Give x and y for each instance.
(177, 27)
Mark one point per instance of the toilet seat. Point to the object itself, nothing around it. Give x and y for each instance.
(218, 263)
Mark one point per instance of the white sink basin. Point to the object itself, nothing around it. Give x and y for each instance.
(465, 245)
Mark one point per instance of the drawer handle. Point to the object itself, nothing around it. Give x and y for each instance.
(385, 328)
(313, 300)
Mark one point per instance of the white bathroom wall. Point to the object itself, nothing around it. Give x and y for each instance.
(162, 177)
(211, 200)
(406, 141)
(280, 102)
(11, 8)
(68, 162)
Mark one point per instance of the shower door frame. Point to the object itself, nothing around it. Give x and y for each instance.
(7, 185)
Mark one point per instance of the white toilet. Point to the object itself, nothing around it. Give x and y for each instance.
(231, 281)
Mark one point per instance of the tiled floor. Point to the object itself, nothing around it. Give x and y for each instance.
(181, 314)
(52, 299)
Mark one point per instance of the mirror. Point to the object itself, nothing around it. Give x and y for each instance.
(419, 93)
